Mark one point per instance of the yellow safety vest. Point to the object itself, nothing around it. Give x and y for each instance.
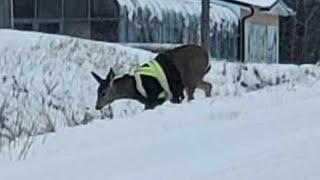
(153, 69)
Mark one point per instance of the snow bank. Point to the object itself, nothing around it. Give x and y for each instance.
(236, 79)
(268, 134)
(45, 80)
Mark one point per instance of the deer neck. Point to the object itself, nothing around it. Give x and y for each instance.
(126, 88)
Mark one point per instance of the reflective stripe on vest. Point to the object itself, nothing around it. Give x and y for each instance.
(153, 69)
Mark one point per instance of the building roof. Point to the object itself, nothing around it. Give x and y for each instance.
(186, 8)
(277, 7)
(190, 9)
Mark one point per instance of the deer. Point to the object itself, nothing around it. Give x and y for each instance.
(167, 77)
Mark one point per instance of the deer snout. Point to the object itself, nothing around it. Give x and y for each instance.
(101, 104)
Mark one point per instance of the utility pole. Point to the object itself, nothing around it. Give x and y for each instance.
(11, 15)
(205, 36)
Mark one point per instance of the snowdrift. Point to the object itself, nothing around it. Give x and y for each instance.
(268, 134)
(261, 123)
(45, 80)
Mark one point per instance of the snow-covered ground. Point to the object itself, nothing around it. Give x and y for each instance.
(269, 134)
(261, 123)
(45, 80)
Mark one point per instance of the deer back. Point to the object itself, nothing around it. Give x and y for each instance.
(192, 62)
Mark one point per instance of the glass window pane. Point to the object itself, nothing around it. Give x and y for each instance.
(273, 44)
(78, 29)
(104, 8)
(23, 8)
(76, 8)
(49, 27)
(105, 31)
(4, 14)
(49, 8)
(23, 26)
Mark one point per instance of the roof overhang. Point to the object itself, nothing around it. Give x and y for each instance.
(282, 9)
(276, 7)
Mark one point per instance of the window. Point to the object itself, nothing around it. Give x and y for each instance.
(23, 8)
(23, 26)
(256, 42)
(4, 14)
(49, 27)
(76, 8)
(49, 8)
(104, 8)
(273, 44)
(77, 28)
(105, 31)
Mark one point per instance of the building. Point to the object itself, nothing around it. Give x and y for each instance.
(82, 18)
(259, 28)
(153, 21)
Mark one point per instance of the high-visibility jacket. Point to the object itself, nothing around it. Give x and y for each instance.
(153, 69)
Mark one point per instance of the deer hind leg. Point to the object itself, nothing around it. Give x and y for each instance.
(206, 87)
(190, 91)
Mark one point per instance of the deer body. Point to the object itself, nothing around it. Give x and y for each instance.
(184, 68)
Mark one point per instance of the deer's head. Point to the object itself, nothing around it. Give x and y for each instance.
(106, 91)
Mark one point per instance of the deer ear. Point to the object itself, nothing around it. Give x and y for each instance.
(97, 77)
(110, 76)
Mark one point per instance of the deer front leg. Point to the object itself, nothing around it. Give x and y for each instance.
(149, 106)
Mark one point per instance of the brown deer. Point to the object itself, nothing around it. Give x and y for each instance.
(164, 78)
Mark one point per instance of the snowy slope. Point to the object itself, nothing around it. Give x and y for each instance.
(45, 80)
(261, 123)
(268, 134)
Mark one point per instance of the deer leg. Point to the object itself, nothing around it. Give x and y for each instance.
(206, 87)
(149, 106)
(190, 92)
(153, 104)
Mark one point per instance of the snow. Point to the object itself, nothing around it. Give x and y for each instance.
(259, 3)
(267, 129)
(185, 7)
(279, 8)
(46, 78)
(267, 134)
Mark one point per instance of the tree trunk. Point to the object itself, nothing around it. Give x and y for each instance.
(205, 36)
